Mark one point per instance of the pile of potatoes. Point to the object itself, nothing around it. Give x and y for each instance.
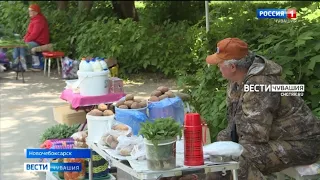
(131, 103)
(102, 110)
(161, 93)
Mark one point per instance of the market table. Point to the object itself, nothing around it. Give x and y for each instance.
(76, 100)
(148, 174)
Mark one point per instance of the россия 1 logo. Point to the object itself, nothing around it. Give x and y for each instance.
(276, 13)
(279, 15)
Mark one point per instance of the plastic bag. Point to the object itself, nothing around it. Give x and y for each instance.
(168, 107)
(110, 138)
(69, 68)
(310, 170)
(126, 144)
(223, 148)
(139, 151)
(131, 117)
(80, 136)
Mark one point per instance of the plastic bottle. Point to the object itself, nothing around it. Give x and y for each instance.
(86, 67)
(82, 64)
(91, 62)
(96, 66)
(103, 64)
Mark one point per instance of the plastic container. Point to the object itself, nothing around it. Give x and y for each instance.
(98, 126)
(93, 83)
(193, 143)
(96, 66)
(162, 156)
(103, 63)
(132, 117)
(85, 66)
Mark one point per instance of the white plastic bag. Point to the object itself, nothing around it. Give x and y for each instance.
(310, 170)
(223, 148)
(126, 144)
(139, 151)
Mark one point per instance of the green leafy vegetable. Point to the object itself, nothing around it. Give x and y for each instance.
(59, 131)
(160, 129)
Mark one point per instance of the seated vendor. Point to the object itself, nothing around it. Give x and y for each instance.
(37, 34)
(276, 131)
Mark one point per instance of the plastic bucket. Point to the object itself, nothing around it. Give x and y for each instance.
(97, 126)
(93, 83)
(162, 156)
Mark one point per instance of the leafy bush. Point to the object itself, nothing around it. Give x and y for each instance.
(295, 46)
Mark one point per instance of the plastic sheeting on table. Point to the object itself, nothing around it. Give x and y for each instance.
(76, 100)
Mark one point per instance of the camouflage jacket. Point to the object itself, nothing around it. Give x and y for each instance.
(266, 117)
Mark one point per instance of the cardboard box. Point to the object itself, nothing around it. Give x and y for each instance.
(65, 115)
(115, 85)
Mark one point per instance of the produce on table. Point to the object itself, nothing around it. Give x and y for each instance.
(162, 130)
(59, 131)
(161, 93)
(102, 107)
(75, 175)
(110, 138)
(131, 103)
(103, 110)
(80, 139)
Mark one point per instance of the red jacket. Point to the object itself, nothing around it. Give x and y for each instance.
(38, 30)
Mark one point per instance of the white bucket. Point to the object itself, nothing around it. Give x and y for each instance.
(98, 126)
(93, 83)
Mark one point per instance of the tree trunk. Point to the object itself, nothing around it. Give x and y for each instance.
(62, 5)
(85, 5)
(125, 9)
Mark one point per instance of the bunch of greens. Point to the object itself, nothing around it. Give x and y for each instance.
(59, 131)
(160, 129)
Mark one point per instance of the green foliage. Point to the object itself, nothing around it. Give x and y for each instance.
(59, 131)
(160, 129)
(163, 43)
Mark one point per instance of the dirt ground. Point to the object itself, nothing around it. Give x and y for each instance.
(26, 110)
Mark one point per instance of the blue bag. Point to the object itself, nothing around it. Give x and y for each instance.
(131, 117)
(168, 107)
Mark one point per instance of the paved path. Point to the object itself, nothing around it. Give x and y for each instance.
(26, 110)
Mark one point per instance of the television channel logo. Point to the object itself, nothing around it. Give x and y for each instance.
(276, 13)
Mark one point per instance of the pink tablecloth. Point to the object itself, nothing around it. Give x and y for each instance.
(76, 100)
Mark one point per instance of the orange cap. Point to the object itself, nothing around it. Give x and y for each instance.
(227, 49)
(35, 7)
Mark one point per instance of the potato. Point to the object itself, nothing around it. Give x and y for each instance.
(108, 113)
(119, 103)
(128, 103)
(95, 112)
(135, 105)
(109, 139)
(102, 107)
(129, 97)
(156, 93)
(154, 99)
(120, 127)
(163, 89)
(114, 144)
(169, 94)
(143, 104)
(123, 107)
(137, 100)
(163, 97)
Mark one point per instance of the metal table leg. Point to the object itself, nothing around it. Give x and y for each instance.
(234, 174)
(90, 166)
